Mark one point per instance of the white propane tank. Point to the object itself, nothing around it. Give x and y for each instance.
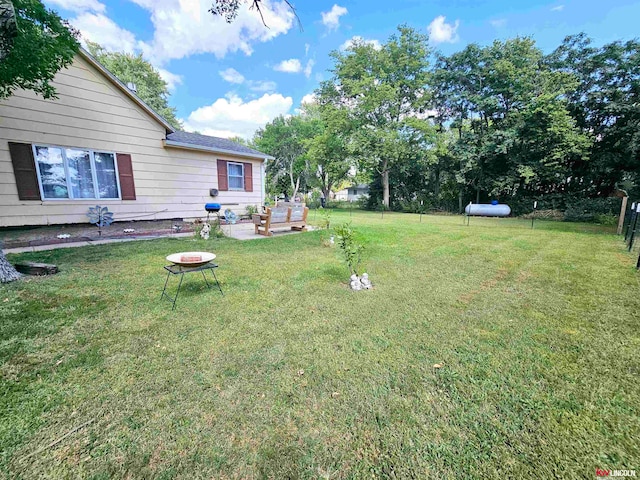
(488, 210)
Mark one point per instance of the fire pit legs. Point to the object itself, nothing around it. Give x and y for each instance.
(180, 270)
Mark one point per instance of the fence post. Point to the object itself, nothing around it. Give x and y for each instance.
(635, 224)
(623, 211)
(631, 220)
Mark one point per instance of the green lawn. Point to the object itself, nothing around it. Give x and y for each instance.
(291, 375)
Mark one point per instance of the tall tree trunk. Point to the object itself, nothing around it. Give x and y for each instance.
(326, 186)
(7, 272)
(294, 183)
(460, 199)
(326, 191)
(385, 184)
(295, 189)
(478, 194)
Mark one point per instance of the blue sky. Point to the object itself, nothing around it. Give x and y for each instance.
(228, 80)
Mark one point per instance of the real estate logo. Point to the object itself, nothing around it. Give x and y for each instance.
(604, 473)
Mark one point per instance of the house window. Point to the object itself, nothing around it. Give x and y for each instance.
(235, 172)
(75, 173)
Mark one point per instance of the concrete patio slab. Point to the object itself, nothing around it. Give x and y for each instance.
(246, 231)
(240, 231)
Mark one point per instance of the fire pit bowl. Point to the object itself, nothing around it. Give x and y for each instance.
(191, 259)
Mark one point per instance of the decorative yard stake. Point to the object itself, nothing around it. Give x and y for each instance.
(533, 215)
(100, 217)
(421, 203)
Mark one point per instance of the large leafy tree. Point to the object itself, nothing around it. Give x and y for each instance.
(135, 69)
(284, 138)
(382, 88)
(35, 43)
(606, 106)
(8, 27)
(514, 130)
(40, 44)
(328, 149)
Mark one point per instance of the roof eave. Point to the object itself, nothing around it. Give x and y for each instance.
(111, 77)
(202, 148)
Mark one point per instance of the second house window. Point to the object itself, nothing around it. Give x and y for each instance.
(236, 176)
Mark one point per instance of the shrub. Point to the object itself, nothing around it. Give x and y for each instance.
(251, 209)
(344, 204)
(325, 218)
(591, 209)
(604, 219)
(351, 249)
(313, 199)
(573, 208)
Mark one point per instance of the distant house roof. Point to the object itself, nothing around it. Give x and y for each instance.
(196, 141)
(360, 186)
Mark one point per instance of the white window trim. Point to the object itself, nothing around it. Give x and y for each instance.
(94, 175)
(229, 177)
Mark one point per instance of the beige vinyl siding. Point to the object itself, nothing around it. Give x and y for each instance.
(92, 113)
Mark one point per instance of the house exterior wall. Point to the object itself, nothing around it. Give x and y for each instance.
(351, 194)
(92, 113)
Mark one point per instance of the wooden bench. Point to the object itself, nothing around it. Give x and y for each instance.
(294, 217)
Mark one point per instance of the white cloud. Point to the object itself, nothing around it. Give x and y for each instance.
(442, 32)
(231, 75)
(172, 79)
(79, 5)
(557, 8)
(232, 116)
(309, 68)
(262, 85)
(186, 27)
(358, 39)
(292, 65)
(306, 49)
(331, 19)
(498, 22)
(308, 98)
(101, 29)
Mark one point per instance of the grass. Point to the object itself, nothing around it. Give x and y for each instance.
(291, 375)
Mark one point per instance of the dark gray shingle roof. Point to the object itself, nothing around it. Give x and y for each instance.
(215, 143)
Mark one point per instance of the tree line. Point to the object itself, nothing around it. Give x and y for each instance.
(504, 121)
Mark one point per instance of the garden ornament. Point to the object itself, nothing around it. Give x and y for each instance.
(204, 233)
